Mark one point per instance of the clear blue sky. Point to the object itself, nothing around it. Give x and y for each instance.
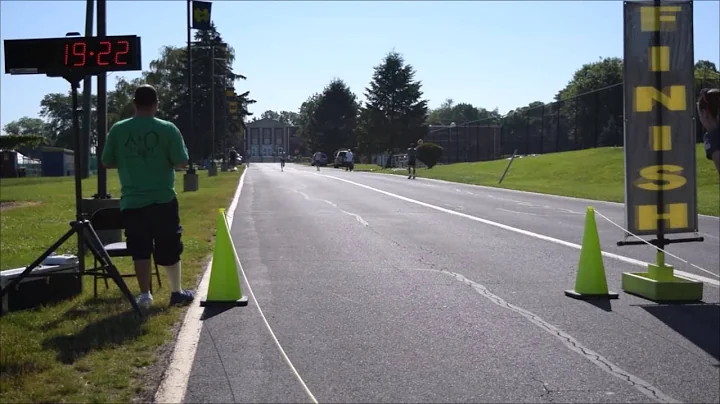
(490, 54)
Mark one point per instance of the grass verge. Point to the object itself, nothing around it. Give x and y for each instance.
(593, 174)
(86, 349)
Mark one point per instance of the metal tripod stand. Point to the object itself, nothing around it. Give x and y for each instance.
(87, 237)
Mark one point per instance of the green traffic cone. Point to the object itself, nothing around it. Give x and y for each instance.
(225, 288)
(590, 282)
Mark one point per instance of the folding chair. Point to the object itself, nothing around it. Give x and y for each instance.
(111, 219)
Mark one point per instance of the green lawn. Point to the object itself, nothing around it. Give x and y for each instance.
(85, 349)
(593, 173)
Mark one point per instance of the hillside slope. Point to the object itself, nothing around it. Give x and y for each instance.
(592, 173)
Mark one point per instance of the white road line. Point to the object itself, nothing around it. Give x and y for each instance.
(520, 231)
(517, 191)
(272, 333)
(522, 213)
(174, 384)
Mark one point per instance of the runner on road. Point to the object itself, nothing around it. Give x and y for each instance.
(316, 160)
(349, 162)
(282, 161)
(411, 152)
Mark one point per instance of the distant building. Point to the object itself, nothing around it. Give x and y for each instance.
(57, 162)
(267, 138)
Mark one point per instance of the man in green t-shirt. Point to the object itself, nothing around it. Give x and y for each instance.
(146, 150)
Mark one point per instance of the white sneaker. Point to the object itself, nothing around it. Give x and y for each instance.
(145, 300)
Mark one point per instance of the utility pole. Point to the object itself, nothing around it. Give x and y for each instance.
(87, 97)
(212, 107)
(101, 103)
(190, 180)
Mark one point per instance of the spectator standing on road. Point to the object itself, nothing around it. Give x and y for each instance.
(349, 162)
(709, 112)
(411, 152)
(146, 150)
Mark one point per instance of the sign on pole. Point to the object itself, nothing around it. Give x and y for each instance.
(233, 112)
(660, 186)
(201, 15)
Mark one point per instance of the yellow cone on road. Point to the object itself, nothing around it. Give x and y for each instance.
(590, 282)
(225, 288)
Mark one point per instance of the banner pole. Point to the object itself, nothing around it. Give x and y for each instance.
(191, 170)
(659, 122)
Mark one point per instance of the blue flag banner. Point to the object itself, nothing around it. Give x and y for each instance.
(201, 15)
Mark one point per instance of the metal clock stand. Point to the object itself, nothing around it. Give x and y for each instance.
(87, 237)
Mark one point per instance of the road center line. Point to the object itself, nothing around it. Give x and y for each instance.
(628, 260)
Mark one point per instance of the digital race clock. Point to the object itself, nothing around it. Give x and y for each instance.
(72, 55)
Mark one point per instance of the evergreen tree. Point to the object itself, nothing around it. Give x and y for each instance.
(394, 114)
(334, 118)
(199, 138)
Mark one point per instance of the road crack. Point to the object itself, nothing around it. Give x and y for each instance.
(603, 363)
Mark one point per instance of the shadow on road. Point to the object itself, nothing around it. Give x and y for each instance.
(699, 323)
(603, 304)
(210, 312)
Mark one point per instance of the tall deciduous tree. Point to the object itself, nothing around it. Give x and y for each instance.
(394, 113)
(585, 111)
(705, 69)
(56, 110)
(288, 117)
(306, 119)
(450, 112)
(25, 126)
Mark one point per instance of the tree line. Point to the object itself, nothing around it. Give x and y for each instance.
(394, 112)
(169, 75)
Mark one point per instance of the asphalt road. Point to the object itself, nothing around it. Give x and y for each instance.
(376, 298)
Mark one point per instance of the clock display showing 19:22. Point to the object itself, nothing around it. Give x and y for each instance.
(80, 55)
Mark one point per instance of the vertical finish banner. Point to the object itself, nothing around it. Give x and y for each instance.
(660, 186)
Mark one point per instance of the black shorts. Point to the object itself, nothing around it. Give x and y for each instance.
(154, 230)
(411, 163)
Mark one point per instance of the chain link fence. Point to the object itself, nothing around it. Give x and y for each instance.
(594, 119)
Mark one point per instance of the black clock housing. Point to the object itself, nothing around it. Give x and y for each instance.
(82, 56)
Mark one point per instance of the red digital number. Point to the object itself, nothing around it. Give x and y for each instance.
(108, 47)
(126, 49)
(79, 49)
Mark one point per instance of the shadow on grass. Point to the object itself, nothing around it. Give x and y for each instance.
(87, 308)
(699, 323)
(113, 330)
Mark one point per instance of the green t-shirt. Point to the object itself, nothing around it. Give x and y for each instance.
(145, 151)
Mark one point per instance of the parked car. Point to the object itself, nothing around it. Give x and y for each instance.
(340, 158)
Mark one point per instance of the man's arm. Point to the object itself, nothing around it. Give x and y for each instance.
(178, 152)
(712, 147)
(109, 158)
